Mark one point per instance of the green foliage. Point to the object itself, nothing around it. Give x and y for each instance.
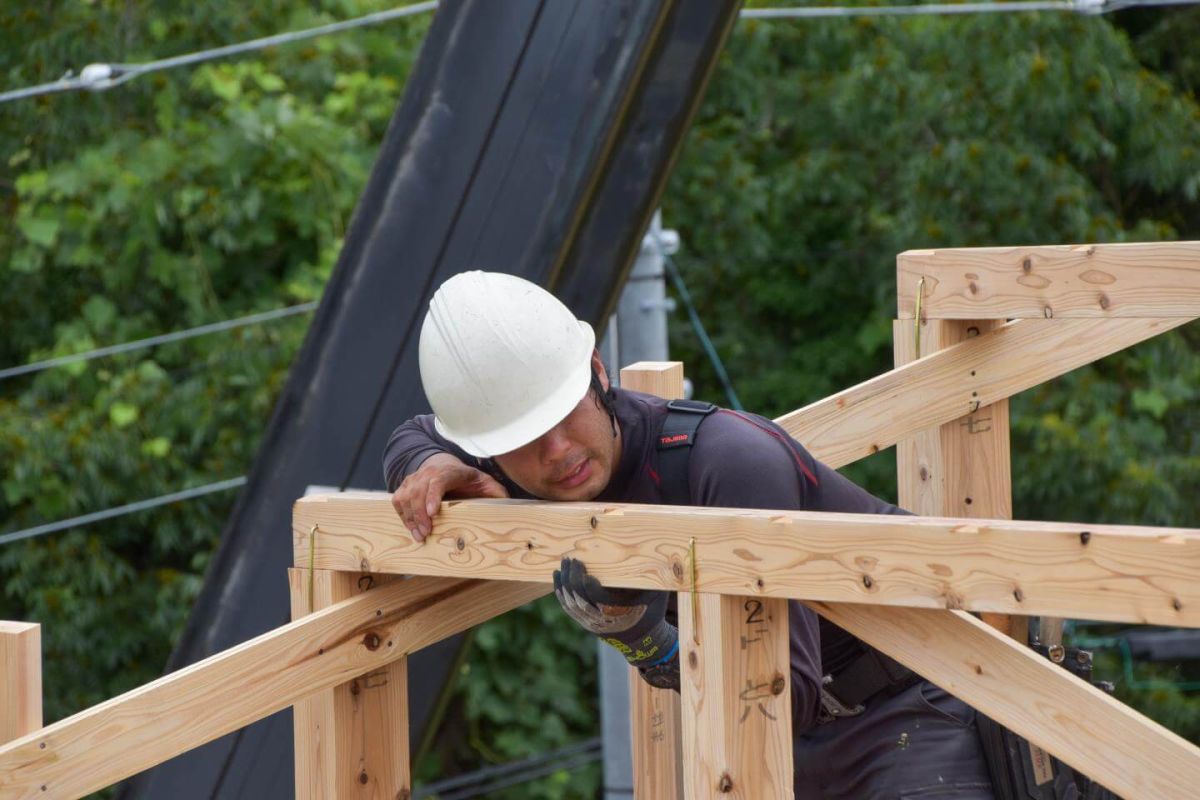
(183, 198)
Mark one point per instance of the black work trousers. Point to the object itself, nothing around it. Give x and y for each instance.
(920, 744)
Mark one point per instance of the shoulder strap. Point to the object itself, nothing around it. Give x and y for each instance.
(675, 441)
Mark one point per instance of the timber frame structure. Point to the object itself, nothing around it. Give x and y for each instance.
(975, 327)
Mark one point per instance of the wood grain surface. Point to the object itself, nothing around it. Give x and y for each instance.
(1153, 279)
(132, 732)
(947, 385)
(656, 724)
(20, 679)
(736, 697)
(1119, 573)
(1130, 754)
(351, 739)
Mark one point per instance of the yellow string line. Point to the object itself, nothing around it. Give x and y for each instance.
(917, 321)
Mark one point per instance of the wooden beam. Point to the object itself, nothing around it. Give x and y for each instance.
(736, 688)
(351, 739)
(123, 736)
(1081, 725)
(1153, 279)
(946, 385)
(20, 679)
(962, 468)
(656, 726)
(1119, 573)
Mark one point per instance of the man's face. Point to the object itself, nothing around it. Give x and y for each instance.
(575, 459)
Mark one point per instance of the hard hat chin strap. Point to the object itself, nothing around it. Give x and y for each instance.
(605, 399)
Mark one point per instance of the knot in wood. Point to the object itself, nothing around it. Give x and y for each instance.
(693, 659)
(371, 641)
(725, 785)
(404, 794)
(1018, 595)
(677, 570)
(1027, 264)
(362, 778)
(778, 685)
(1085, 537)
(867, 582)
(460, 543)
(594, 523)
(1104, 301)
(1176, 604)
(1048, 312)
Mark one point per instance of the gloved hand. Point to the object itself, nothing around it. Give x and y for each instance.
(632, 620)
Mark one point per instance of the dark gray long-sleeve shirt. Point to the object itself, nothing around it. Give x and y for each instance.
(738, 460)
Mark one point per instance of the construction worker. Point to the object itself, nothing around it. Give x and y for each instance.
(523, 407)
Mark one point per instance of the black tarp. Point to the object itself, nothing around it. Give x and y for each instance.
(534, 137)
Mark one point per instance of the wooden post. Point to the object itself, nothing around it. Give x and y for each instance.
(655, 724)
(351, 740)
(20, 679)
(962, 468)
(734, 666)
(737, 721)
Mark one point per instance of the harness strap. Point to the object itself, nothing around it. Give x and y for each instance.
(675, 440)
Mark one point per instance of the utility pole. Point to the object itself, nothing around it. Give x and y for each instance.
(637, 332)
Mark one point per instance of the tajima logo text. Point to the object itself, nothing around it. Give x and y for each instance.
(676, 439)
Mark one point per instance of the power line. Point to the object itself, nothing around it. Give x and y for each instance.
(1088, 7)
(103, 76)
(177, 336)
(99, 77)
(490, 779)
(120, 511)
(698, 325)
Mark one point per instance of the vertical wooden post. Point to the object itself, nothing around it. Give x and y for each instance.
(737, 707)
(20, 679)
(352, 740)
(962, 468)
(655, 723)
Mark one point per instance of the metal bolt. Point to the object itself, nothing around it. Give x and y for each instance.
(1056, 653)
(371, 640)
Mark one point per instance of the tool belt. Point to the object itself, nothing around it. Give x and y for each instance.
(870, 674)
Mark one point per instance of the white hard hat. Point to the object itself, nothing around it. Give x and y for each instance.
(502, 361)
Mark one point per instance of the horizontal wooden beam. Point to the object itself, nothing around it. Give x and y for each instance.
(957, 381)
(123, 736)
(1153, 279)
(1086, 728)
(1120, 573)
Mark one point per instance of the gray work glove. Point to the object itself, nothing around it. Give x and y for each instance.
(632, 620)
